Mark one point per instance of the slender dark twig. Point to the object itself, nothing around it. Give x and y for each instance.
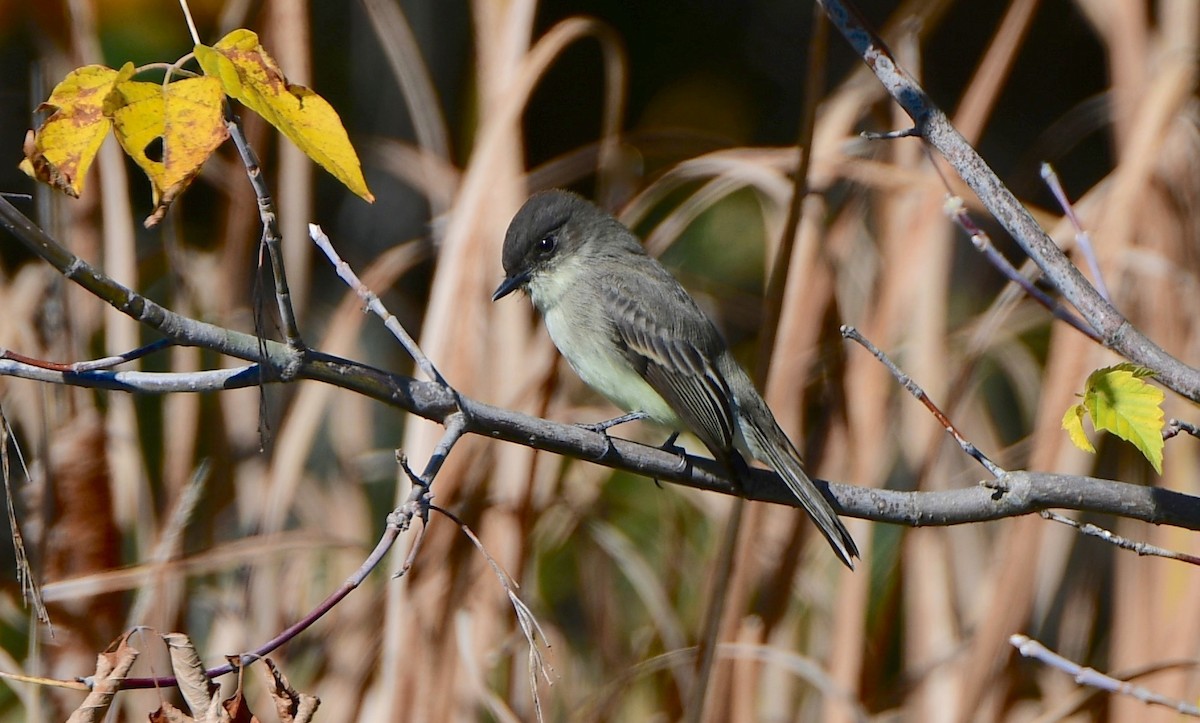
(530, 626)
(31, 593)
(271, 239)
(956, 210)
(914, 389)
(1141, 548)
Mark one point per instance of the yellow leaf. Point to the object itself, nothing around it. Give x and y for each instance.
(193, 127)
(136, 109)
(1120, 401)
(1073, 423)
(249, 74)
(168, 132)
(62, 149)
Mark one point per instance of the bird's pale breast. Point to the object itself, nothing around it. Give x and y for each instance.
(584, 337)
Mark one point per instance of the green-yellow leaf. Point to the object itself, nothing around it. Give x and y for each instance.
(249, 74)
(62, 149)
(1073, 423)
(1119, 400)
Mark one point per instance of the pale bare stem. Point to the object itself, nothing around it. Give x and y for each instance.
(1114, 330)
(30, 592)
(187, 14)
(1175, 426)
(530, 626)
(956, 210)
(142, 382)
(1030, 648)
(270, 236)
(1082, 237)
(849, 332)
(1141, 548)
(372, 302)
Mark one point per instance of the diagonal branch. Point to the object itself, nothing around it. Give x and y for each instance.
(932, 124)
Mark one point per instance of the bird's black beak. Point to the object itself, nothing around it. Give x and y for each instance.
(509, 285)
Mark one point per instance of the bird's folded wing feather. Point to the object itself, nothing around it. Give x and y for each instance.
(676, 355)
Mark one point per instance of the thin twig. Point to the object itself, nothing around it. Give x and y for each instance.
(914, 389)
(1175, 426)
(1141, 548)
(530, 626)
(1030, 648)
(92, 364)
(270, 235)
(890, 135)
(1082, 237)
(187, 14)
(30, 592)
(956, 210)
(456, 427)
(397, 522)
(372, 302)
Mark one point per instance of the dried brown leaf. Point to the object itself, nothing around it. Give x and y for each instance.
(291, 706)
(168, 713)
(111, 668)
(194, 685)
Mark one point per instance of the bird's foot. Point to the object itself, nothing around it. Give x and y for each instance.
(670, 446)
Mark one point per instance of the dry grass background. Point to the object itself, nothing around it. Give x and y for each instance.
(617, 570)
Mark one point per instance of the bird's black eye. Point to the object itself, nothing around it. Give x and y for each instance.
(547, 243)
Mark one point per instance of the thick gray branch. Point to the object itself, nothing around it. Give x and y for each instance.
(1022, 492)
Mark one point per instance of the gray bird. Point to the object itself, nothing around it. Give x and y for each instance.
(632, 333)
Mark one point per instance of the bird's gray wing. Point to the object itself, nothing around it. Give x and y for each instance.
(675, 353)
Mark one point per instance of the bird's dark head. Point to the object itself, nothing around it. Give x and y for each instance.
(552, 226)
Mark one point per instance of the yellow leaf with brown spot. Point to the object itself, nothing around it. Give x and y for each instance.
(136, 109)
(168, 132)
(249, 74)
(62, 149)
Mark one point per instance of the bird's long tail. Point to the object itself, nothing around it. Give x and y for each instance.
(773, 447)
